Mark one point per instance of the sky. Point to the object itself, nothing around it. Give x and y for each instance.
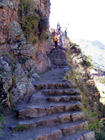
(85, 19)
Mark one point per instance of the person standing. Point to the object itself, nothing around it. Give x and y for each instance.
(65, 32)
(61, 40)
(55, 40)
(58, 27)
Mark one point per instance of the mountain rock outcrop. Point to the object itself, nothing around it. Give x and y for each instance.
(20, 57)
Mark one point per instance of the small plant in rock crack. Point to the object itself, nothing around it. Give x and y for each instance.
(2, 120)
(19, 128)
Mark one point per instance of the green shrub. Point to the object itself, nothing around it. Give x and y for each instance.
(2, 119)
(29, 20)
(21, 127)
(87, 61)
(99, 127)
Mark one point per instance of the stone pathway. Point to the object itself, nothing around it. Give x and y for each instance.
(52, 112)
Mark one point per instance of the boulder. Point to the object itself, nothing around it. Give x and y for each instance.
(13, 78)
(43, 63)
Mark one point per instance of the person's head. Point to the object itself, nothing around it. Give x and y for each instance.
(65, 28)
(58, 24)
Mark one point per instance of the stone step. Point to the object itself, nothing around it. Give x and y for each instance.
(59, 66)
(51, 120)
(54, 86)
(40, 111)
(64, 98)
(74, 127)
(63, 130)
(80, 135)
(60, 92)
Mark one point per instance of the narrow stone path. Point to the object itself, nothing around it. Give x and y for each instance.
(52, 112)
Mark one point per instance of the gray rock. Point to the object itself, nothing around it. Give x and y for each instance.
(5, 73)
(23, 84)
(43, 63)
(13, 78)
(16, 32)
(30, 66)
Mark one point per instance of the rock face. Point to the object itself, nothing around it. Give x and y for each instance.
(8, 13)
(42, 62)
(11, 35)
(21, 61)
(13, 79)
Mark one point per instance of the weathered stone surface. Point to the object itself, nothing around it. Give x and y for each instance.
(72, 107)
(58, 92)
(48, 111)
(55, 85)
(80, 138)
(53, 136)
(8, 13)
(77, 116)
(79, 105)
(89, 136)
(67, 131)
(46, 137)
(56, 135)
(53, 99)
(72, 129)
(13, 78)
(48, 122)
(28, 113)
(5, 72)
(58, 57)
(23, 84)
(32, 112)
(12, 37)
(18, 41)
(56, 109)
(16, 32)
(64, 98)
(65, 118)
(41, 112)
(83, 125)
(43, 63)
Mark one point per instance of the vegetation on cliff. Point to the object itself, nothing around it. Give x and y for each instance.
(32, 20)
(80, 75)
(29, 20)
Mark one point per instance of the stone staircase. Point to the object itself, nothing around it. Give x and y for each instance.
(53, 112)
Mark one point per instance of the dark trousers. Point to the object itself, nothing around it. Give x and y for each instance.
(65, 34)
(56, 44)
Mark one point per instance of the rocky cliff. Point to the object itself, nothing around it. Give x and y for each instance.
(24, 45)
(82, 77)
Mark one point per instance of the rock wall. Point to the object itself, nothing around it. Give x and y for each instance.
(12, 38)
(8, 13)
(20, 61)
